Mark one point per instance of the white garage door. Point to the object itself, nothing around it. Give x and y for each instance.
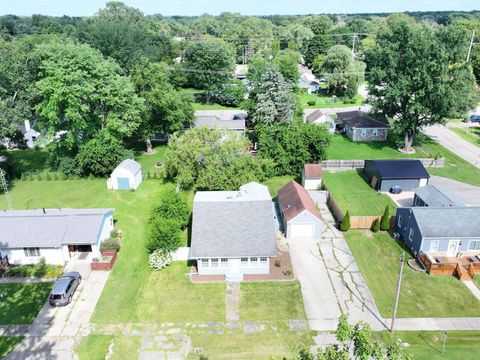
(301, 231)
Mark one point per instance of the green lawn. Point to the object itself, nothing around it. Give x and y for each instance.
(274, 184)
(95, 347)
(325, 100)
(280, 300)
(422, 295)
(200, 105)
(20, 303)
(8, 343)
(353, 193)
(471, 135)
(456, 168)
(148, 161)
(463, 345)
(281, 344)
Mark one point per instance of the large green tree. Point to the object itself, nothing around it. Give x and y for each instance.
(82, 93)
(417, 76)
(292, 146)
(209, 65)
(124, 34)
(342, 73)
(287, 63)
(166, 109)
(275, 102)
(205, 159)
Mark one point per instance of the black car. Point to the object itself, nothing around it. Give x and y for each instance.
(64, 288)
(396, 189)
(238, 117)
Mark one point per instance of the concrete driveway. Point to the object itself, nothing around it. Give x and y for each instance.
(53, 335)
(404, 199)
(331, 281)
(469, 193)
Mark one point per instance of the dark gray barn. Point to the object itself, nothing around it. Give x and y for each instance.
(385, 174)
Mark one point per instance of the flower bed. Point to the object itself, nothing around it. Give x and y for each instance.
(109, 257)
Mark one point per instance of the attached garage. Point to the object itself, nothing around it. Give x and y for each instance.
(126, 176)
(298, 213)
(408, 174)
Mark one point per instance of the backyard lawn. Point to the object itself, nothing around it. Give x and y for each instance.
(274, 184)
(20, 303)
(456, 168)
(201, 105)
(353, 193)
(325, 100)
(422, 295)
(148, 161)
(280, 300)
(463, 345)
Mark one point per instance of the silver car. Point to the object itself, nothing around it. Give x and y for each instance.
(64, 288)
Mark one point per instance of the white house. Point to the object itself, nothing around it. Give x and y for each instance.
(30, 135)
(320, 118)
(233, 232)
(126, 176)
(28, 235)
(299, 215)
(312, 176)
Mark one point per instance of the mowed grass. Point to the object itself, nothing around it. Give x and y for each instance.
(282, 344)
(455, 168)
(352, 193)
(8, 343)
(281, 300)
(422, 295)
(463, 345)
(148, 161)
(324, 100)
(95, 347)
(275, 183)
(20, 303)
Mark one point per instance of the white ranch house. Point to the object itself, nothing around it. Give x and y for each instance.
(126, 176)
(29, 235)
(233, 232)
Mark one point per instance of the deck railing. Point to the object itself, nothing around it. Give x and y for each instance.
(461, 267)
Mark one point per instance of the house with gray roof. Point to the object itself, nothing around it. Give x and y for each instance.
(54, 234)
(436, 196)
(227, 126)
(233, 232)
(440, 232)
(360, 126)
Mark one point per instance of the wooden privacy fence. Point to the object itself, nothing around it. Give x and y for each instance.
(356, 222)
(359, 164)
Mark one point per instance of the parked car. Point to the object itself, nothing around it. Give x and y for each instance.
(238, 117)
(474, 118)
(64, 288)
(396, 189)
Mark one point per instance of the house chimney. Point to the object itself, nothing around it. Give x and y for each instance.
(27, 125)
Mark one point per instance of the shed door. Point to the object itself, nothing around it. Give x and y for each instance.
(123, 183)
(302, 231)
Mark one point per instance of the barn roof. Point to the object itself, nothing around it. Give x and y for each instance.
(294, 199)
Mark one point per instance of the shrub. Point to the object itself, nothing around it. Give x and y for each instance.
(278, 263)
(91, 177)
(19, 271)
(40, 269)
(376, 225)
(148, 175)
(55, 176)
(116, 234)
(162, 233)
(311, 102)
(385, 222)
(159, 259)
(48, 177)
(345, 224)
(156, 176)
(174, 206)
(287, 272)
(23, 177)
(110, 244)
(30, 177)
(39, 177)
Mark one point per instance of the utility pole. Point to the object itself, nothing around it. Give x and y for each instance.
(397, 293)
(353, 46)
(470, 46)
(3, 182)
(444, 341)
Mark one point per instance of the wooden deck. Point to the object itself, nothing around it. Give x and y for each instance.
(461, 267)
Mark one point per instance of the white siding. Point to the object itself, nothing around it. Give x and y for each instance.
(312, 184)
(423, 182)
(106, 229)
(54, 256)
(134, 179)
(249, 268)
(305, 217)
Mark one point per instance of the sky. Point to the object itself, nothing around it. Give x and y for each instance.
(246, 7)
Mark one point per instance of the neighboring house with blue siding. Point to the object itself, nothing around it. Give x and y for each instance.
(436, 196)
(233, 232)
(408, 174)
(440, 232)
(298, 213)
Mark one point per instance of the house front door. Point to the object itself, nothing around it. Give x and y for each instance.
(453, 247)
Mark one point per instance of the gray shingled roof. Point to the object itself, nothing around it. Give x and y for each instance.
(214, 122)
(55, 227)
(450, 222)
(130, 165)
(233, 225)
(438, 196)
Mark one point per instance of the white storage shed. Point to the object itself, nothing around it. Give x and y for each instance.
(126, 176)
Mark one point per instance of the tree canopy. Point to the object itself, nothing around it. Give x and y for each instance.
(417, 77)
